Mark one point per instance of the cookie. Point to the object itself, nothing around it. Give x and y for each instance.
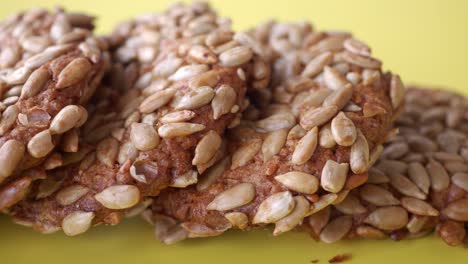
(331, 109)
(182, 79)
(50, 65)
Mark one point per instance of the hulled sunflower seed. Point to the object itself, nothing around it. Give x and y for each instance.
(377, 176)
(212, 174)
(299, 182)
(119, 197)
(48, 54)
(340, 97)
(457, 210)
(273, 143)
(70, 116)
(107, 151)
(305, 147)
(188, 71)
(359, 156)
(11, 153)
(440, 179)
(416, 223)
(194, 99)
(207, 148)
(223, 101)
(235, 56)
(74, 72)
(77, 222)
(377, 195)
(397, 91)
(369, 232)
(460, 179)
(246, 153)
(388, 218)
(355, 46)
(156, 100)
(350, 206)
(237, 219)
(277, 121)
(323, 202)
(9, 117)
(326, 139)
(406, 186)
(334, 176)
(143, 136)
(35, 82)
(419, 176)
(167, 67)
(318, 116)
(179, 129)
(336, 229)
(71, 194)
(179, 116)
(287, 223)
(41, 144)
(273, 208)
(418, 207)
(365, 62)
(319, 220)
(184, 180)
(239, 195)
(343, 130)
(315, 66)
(333, 78)
(202, 54)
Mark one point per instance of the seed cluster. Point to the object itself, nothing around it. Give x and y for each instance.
(50, 66)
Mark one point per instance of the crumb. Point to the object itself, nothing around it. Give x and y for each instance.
(340, 258)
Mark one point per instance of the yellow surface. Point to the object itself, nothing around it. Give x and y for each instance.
(425, 41)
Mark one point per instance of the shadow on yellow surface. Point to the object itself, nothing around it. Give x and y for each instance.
(132, 242)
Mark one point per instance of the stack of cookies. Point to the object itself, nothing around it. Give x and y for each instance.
(201, 129)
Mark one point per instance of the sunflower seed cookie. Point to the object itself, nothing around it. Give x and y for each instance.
(331, 109)
(183, 78)
(50, 65)
(420, 182)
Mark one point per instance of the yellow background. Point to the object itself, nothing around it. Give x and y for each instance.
(426, 42)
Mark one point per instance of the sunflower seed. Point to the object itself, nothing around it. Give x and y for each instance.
(179, 129)
(359, 156)
(418, 207)
(350, 206)
(246, 153)
(310, 100)
(70, 116)
(71, 194)
(202, 55)
(237, 219)
(156, 100)
(199, 230)
(323, 202)
(406, 186)
(395, 150)
(9, 117)
(77, 222)
(107, 151)
(212, 174)
(178, 116)
(119, 196)
(305, 147)
(390, 167)
(235, 56)
(355, 46)
(41, 144)
(343, 130)
(287, 223)
(377, 176)
(336, 229)
(334, 176)
(365, 62)
(273, 143)
(460, 179)
(277, 121)
(388, 218)
(35, 82)
(397, 91)
(319, 220)
(333, 78)
(326, 139)
(377, 195)
(318, 116)
(237, 196)
(223, 101)
(196, 98)
(369, 232)
(207, 148)
(316, 65)
(339, 97)
(457, 210)
(421, 144)
(440, 179)
(416, 223)
(47, 187)
(184, 180)
(299, 182)
(143, 136)
(73, 73)
(418, 174)
(274, 208)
